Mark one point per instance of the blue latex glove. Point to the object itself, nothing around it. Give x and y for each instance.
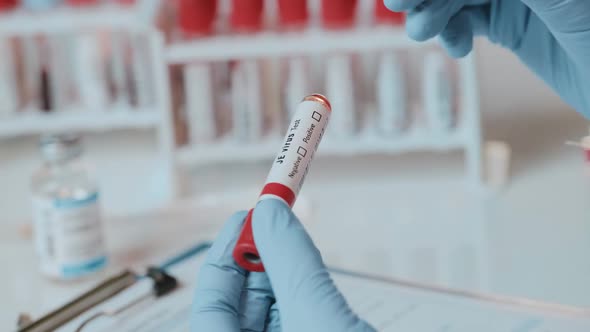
(551, 36)
(295, 293)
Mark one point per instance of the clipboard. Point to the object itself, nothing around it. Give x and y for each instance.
(388, 304)
(162, 284)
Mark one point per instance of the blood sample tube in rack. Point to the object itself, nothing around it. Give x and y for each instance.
(293, 16)
(340, 14)
(196, 19)
(8, 96)
(391, 84)
(249, 113)
(437, 93)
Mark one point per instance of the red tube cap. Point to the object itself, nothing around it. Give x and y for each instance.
(245, 253)
(81, 3)
(385, 16)
(293, 13)
(6, 5)
(196, 17)
(337, 14)
(246, 15)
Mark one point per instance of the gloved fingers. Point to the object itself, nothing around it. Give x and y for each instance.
(220, 283)
(273, 323)
(431, 17)
(257, 298)
(300, 281)
(457, 37)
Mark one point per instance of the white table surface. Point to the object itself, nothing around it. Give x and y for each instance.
(527, 247)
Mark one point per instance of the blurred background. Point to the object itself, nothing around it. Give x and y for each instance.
(453, 172)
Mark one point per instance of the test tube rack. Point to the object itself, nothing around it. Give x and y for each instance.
(315, 41)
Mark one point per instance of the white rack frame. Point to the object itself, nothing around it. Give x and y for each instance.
(314, 41)
(22, 23)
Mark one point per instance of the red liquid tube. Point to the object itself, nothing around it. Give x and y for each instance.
(293, 13)
(196, 17)
(247, 15)
(288, 171)
(385, 16)
(338, 14)
(7, 5)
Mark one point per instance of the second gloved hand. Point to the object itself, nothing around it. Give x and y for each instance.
(295, 293)
(551, 36)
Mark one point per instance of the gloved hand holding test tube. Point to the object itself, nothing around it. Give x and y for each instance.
(289, 170)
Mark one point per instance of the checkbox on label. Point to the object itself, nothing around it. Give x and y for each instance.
(316, 116)
(302, 151)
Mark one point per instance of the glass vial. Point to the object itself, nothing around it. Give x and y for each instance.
(66, 221)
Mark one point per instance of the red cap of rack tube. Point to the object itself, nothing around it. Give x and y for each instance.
(338, 14)
(196, 17)
(385, 16)
(8, 5)
(80, 3)
(293, 13)
(246, 15)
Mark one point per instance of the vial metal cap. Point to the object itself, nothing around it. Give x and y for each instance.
(60, 147)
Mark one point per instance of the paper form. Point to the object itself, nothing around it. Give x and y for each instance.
(389, 307)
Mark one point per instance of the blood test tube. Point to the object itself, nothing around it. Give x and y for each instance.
(293, 13)
(82, 3)
(196, 17)
(338, 14)
(247, 15)
(288, 171)
(384, 15)
(6, 5)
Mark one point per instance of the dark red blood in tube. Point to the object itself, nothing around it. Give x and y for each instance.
(247, 15)
(81, 3)
(6, 5)
(196, 17)
(337, 14)
(293, 13)
(385, 16)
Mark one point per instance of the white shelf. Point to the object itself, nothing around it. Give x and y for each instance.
(273, 44)
(30, 123)
(62, 20)
(229, 150)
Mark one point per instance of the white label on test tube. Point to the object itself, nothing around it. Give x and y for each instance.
(391, 95)
(438, 104)
(340, 88)
(199, 102)
(301, 142)
(8, 97)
